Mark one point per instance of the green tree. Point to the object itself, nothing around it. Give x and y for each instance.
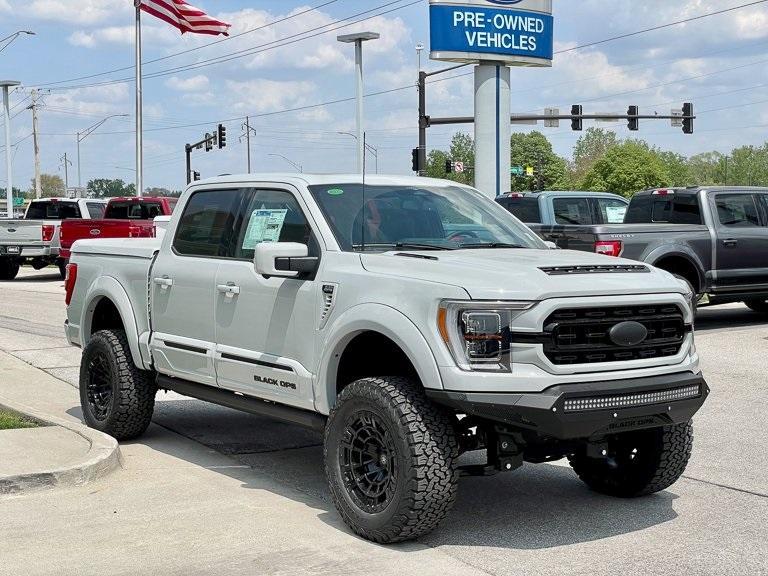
(627, 168)
(51, 186)
(462, 150)
(533, 149)
(164, 192)
(676, 166)
(589, 148)
(106, 188)
(703, 168)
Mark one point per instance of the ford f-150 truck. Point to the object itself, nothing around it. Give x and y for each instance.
(716, 238)
(409, 319)
(541, 211)
(131, 217)
(35, 238)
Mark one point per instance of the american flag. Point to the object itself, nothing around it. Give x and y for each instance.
(185, 17)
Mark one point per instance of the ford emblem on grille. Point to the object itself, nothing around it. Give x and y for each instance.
(95, 232)
(11, 230)
(628, 334)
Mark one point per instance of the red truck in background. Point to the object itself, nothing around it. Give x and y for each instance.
(123, 218)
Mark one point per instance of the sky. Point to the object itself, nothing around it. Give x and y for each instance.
(287, 57)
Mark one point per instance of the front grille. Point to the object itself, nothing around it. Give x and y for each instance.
(581, 335)
(632, 400)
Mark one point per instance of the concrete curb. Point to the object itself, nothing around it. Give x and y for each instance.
(103, 458)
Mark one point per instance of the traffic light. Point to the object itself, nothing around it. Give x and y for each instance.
(687, 118)
(195, 176)
(577, 124)
(415, 166)
(448, 166)
(208, 142)
(222, 136)
(633, 123)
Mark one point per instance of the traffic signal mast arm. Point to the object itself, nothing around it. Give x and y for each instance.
(217, 138)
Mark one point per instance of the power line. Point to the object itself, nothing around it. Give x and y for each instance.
(258, 49)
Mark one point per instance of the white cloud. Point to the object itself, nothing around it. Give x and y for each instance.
(261, 95)
(95, 101)
(5, 6)
(192, 84)
(124, 35)
(79, 11)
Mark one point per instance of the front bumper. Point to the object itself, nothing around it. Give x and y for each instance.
(588, 409)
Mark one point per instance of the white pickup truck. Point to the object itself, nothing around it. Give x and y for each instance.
(35, 238)
(411, 320)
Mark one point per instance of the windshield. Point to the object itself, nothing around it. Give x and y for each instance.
(428, 217)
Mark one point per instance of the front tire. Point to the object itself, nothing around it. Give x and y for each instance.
(759, 306)
(9, 268)
(637, 463)
(116, 397)
(390, 460)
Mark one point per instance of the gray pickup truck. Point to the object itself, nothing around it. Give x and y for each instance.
(541, 211)
(716, 238)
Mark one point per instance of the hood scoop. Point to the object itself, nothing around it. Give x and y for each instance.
(595, 269)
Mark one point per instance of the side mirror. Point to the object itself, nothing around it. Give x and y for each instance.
(283, 259)
(551, 245)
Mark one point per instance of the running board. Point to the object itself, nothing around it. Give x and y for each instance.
(248, 404)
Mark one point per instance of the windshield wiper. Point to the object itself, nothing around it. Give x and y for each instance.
(489, 245)
(404, 246)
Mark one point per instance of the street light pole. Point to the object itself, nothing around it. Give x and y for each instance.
(357, 40)
(369, 147)
(82, 136)
(6, 84)
(11, 37)
(291, 162)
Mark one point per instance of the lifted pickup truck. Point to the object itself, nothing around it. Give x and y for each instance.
(123, 218)
(411, 320)
(714, 238)
(35, 238)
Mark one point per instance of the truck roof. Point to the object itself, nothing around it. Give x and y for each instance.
(553, 192)
(322, 179)
(697, 189)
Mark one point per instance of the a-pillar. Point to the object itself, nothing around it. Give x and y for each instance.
(492, 129)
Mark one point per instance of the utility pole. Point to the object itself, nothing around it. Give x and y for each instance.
(67, 163)
(248, 130)
(36, 144)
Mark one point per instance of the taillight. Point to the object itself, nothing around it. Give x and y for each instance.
(48, 231)
(70, 279)
(609, 248)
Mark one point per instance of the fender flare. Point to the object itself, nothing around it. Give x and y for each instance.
(109, 288)
(388, 322)
(678, 251)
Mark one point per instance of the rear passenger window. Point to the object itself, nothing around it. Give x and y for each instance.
(272, 216)
(206, 226)
(96, 209)
(572, 211)
(525, 209)
(686, 209)
(611, 211)
(737, 210)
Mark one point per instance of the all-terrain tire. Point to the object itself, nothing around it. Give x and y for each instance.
(116, 397)
(421, 465)
(639, 463)
(759, 306)
(8, 269)
(62, 264)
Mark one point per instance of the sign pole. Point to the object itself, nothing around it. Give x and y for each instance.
(139, 108)
(492, 129)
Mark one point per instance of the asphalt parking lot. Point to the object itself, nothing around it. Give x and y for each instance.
(538, 520)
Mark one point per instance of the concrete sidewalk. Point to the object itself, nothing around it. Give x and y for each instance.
(178, 507)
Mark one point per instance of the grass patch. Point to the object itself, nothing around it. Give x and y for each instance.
(11, 420)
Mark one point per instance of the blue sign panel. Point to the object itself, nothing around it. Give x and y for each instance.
(503, 32)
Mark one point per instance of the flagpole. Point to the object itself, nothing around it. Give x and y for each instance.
(139, 107)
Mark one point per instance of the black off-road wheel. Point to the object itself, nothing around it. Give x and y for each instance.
(759, 306)
(637, 463)
(390, 459)
(116, 397)
(9, 268)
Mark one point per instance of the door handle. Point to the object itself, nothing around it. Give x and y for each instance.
(163, 282)
(730, 242)
(230, 289)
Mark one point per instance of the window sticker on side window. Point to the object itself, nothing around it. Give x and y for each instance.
(615, 214)
(264, 226)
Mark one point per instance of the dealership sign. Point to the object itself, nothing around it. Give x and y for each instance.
(515, 32)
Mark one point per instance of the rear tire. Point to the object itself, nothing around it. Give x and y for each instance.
(638, 463)
(62, 269)
(9, 268)
(390, 459)
(759, 306)
(116, 397)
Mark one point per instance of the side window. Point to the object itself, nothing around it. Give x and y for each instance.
(207, 224)
(525, 209)
(737, 210)
(611, 211)
(96, 209)
(271, 216)
(572, 211)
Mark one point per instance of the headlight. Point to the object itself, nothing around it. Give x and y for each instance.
(478, 333)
